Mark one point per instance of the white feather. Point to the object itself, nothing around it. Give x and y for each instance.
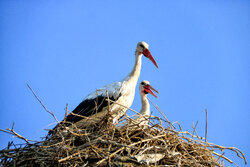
(112, 90)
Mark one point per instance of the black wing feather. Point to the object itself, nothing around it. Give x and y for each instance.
(86, 108)
(89, 107)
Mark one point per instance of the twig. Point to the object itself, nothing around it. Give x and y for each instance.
(69, 157)
(110, 156)
(66, 112)
(206, 129)
(194, 127)
(42, 103)
(222, 156)
(12, 132)
(161, 113)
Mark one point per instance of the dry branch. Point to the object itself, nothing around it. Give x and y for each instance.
(12, 132)
(50, 112)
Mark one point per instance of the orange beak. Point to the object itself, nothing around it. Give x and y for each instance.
(148, 55)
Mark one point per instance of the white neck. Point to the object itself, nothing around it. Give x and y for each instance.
(135, 73)
(145, 108)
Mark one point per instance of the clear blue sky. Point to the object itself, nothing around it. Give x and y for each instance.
(67, 49)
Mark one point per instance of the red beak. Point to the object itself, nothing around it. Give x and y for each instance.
(148, 55)
(149, 88)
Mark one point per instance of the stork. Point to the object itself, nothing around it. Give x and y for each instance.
(95, 106)
(142, 117)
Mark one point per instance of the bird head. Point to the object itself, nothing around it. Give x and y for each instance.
(142, 47)
(146, 88)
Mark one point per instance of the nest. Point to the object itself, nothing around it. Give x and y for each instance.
(125, 144)
(105, 144)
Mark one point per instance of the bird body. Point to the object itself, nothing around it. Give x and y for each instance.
(95, 106)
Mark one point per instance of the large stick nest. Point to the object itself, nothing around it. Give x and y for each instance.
(105, 144)
(127, 144)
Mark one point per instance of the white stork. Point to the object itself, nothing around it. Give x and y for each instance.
(95, 106)
(142, 117)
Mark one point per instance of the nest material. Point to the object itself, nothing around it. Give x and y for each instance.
(105, 144)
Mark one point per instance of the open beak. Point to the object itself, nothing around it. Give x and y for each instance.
(149, 88)
(148, 55)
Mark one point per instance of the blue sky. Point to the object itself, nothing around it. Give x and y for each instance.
(67, 49)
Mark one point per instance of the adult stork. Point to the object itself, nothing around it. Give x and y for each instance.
(142, 117)
(95, 106)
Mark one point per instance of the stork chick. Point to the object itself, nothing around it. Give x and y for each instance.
(145, 88)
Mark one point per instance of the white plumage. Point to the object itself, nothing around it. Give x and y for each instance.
(142, 117)
(94, 106)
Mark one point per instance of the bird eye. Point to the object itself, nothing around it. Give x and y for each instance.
(142, 46)
(142, 83)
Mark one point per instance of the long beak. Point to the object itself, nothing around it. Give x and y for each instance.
(149, 88)
(148, 55)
